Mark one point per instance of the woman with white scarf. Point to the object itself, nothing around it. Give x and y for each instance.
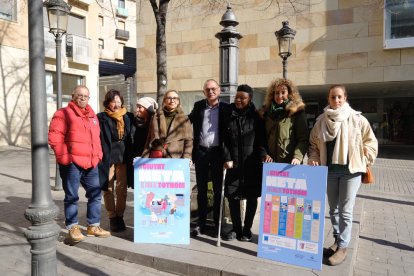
(343, 140)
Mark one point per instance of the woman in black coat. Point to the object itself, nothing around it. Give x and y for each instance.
(243, 150)
(116, 139)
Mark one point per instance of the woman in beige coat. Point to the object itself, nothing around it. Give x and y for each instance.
(170, 130)
(343, 140)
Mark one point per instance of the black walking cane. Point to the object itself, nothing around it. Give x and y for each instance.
(221, 208)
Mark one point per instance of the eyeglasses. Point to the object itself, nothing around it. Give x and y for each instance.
(210, 89)
(172, 98)
(241, 98)
(82, 97)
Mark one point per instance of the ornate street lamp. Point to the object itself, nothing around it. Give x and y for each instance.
(57, 14)
(284, 38)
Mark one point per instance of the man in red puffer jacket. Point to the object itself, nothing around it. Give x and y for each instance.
(74, 137)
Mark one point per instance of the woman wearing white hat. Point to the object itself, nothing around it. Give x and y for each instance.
(146, 108)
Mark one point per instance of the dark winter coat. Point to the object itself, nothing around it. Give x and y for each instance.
(106, 141)
(244, 144)
(287, 135)
(196, 117)
(139, 137)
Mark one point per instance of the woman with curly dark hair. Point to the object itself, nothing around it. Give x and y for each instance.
(285, 122)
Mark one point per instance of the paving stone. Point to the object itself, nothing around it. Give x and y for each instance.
(385, 245)
(360, 272)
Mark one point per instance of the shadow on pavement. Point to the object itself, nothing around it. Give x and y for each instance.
(388, 243)
(17, 178)
(226, 245)
(81, 267)
(387, 199)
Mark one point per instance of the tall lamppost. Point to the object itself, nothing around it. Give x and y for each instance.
(57, 14)
(284, 38)
(42, 211)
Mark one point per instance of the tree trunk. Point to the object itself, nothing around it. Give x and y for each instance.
(160, 13)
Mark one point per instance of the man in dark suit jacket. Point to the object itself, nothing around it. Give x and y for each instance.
(207, 118)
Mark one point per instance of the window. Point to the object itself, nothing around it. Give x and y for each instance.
(68, 83)
(101, 44)
(119, 54)
(8, 10)
(76, 25)
(101, 20)
(399, 24)
(121, 25)
(121, 4)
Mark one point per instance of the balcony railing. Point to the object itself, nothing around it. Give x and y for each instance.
(122, 12)
(78, 49)
(121, 34)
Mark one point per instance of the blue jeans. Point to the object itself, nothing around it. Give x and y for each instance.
(71, 176)
(342, 190)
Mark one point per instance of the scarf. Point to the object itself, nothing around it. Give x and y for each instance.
(335, 125)
(169, 117)
(118, 116)
(276, 110)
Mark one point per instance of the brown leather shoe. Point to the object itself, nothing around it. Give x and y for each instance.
(338, 257)
(97, 231)
(75, 234)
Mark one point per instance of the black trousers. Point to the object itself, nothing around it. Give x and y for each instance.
(251, 206)
(209, 160)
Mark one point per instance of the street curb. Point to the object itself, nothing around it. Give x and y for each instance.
(185, 260)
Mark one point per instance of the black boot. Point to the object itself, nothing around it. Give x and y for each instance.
(113, 224)
(121, 224)
(251, 206)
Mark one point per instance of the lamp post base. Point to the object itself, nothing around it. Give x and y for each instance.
(42, 236)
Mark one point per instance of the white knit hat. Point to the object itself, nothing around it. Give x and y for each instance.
(149, 103)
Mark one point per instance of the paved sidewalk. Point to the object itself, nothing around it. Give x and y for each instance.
(202, 257)
(386, 240)
(15, 258)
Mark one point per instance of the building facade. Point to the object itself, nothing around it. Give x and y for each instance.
(366, 45)
(97, 30)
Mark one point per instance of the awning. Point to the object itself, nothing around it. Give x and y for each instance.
(107, 68)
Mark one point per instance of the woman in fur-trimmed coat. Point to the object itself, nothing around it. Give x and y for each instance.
(171, 129)
(285, 123)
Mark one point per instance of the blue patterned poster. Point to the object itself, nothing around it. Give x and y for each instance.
(162, 200)
(299, 214)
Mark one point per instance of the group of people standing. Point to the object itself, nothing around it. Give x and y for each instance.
(97, 151)
(240, 138)
(244, 138)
